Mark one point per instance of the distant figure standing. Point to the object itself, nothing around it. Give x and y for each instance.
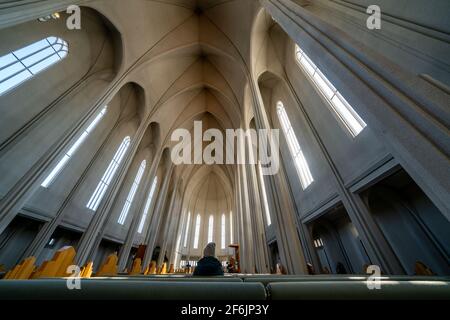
(209, 265)
(230, 266)
(310, 269)
(280, 269)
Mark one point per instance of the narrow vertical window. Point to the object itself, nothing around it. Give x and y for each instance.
(211, 229)
(132, 193)
(19, 66)
(147, 205)
(299, 159)
(231, 227)
(65, 159)
(103, 185)
(186, 234)
(341, 108)
(197, 231)
(264, 195)
(223, 234)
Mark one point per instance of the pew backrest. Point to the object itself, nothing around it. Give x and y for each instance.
(358, 290)
(92, 289)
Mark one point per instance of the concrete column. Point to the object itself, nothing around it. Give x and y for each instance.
(180, 230)
(156, 217)
(408, 114)
(257, 222)
(24, 189)
(174, 246)
(92, 237)
(376, 245)
(138, 208)
(281, 207)
(244, 224)
(45, 233)
(167, 225)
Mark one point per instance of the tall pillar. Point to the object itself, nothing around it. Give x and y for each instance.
(169, 221)
(45, 233)
(244, 222)
(92, 237)
(156, 217)
(139, 207)
(281, 207)
(175, 234)
(395, 113)
(256, 218)
(408, 113)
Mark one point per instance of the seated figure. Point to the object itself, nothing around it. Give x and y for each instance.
(209, 265)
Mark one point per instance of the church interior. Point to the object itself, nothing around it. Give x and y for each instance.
(92, 93)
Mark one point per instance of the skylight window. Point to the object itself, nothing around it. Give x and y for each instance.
(299, 158)
(186, 234)
(231, 227)
(65, 159)
(223, 234)
(103, 185)
(211, 229)
(132, 193)
(197, 231)
(264, 195)
(340, 107)
(147, 205)
(18, 66)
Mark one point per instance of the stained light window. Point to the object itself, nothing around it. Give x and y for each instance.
(223, 234)
(103, 185)
(132, 193)
(299, 159)
(197, 231)
(147, 205)
(19, 66)
(211, 229)
(264, 195)
(65, 159)
(341, 108)
(231, 228)
(186, 234)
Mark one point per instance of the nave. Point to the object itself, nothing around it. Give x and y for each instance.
(122, 159)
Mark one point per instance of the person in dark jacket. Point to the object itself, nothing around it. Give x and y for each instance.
(209, 265)
(340, 269)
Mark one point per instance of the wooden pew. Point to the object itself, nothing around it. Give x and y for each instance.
(23, 270)
(57, 267)
(151, 269)
(137, 267)
(109, 267)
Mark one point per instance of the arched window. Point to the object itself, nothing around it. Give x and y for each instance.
(63, 162)
(197, 231)
(264, 196)
(147, 205)
(102, 186)
(132, 193)
(341, 108)
(299, 159)
(20, 65)
(223, 232)
(231, 227)
(211, 229)
(186, 234)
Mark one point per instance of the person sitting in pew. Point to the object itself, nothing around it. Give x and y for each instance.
(209, 265)
(340, 268)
